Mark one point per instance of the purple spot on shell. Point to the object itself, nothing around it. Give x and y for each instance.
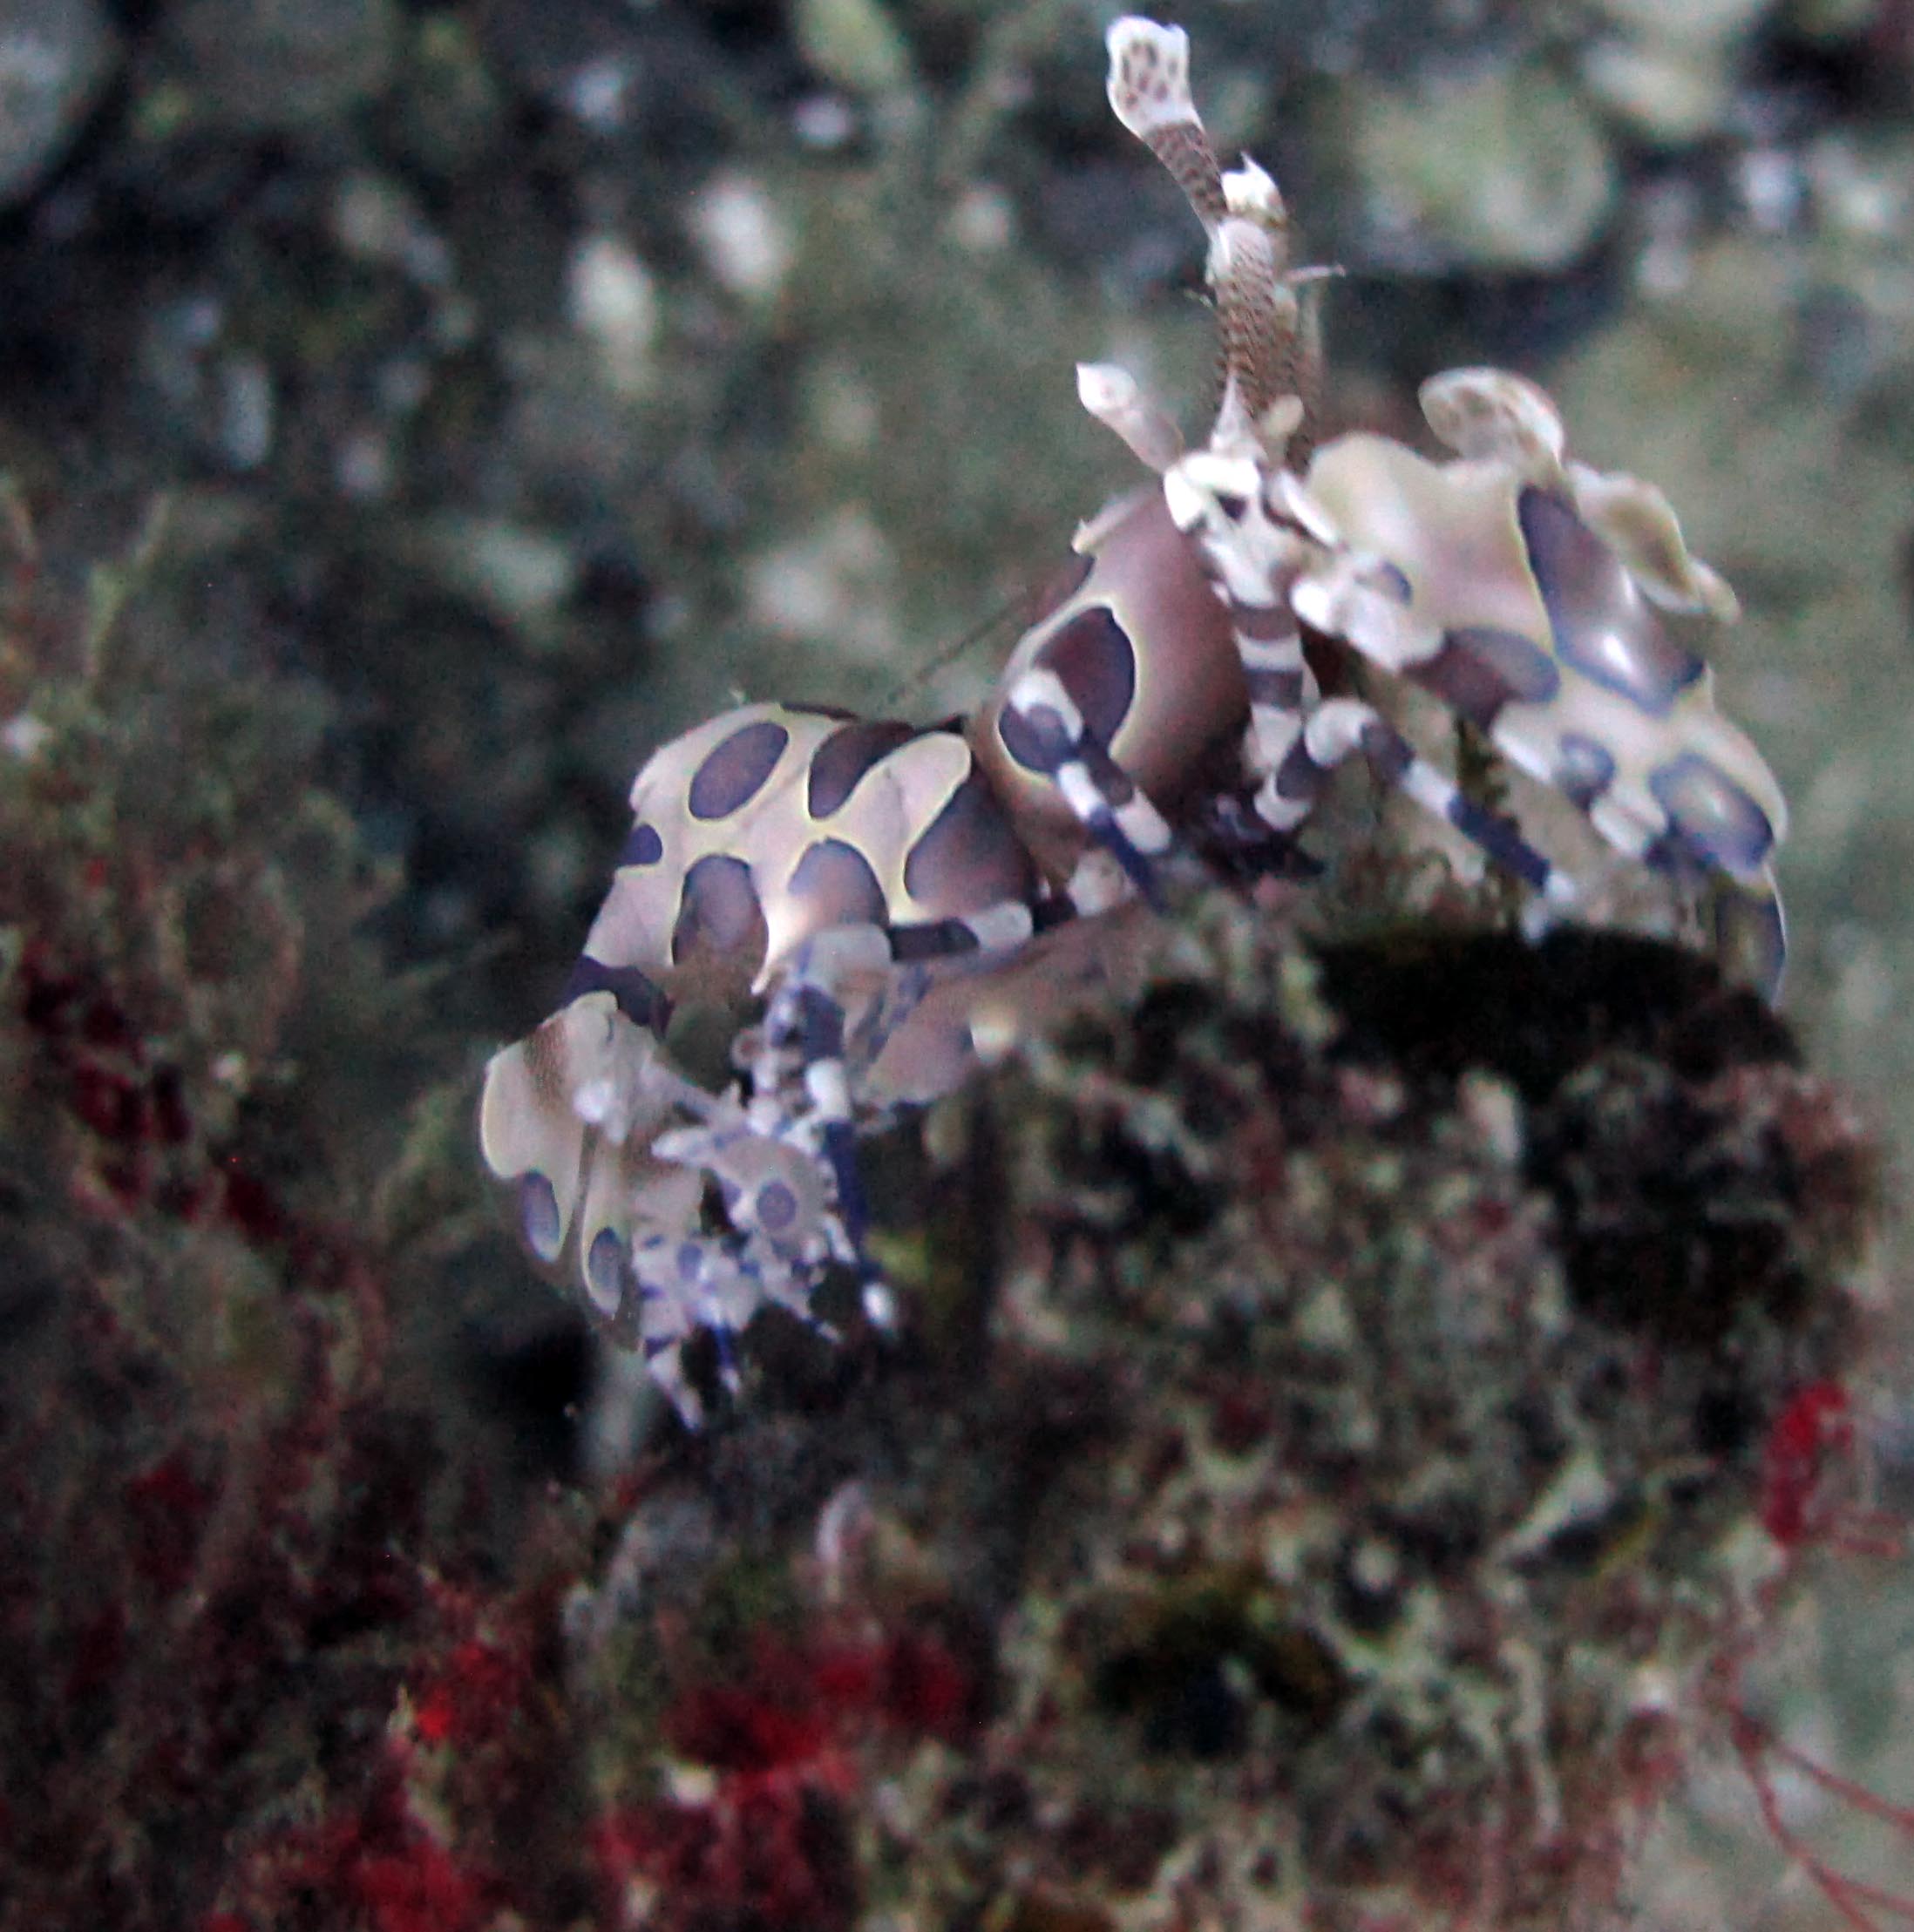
(1714, 817)
(539, 1216)
(845, 756)
(642, 846)
(734, 771)
(606, 1270)
(718, 912)
(835, 885)
(777, 1206)
(1601, 624)
(969, 858)
(1095, 662)
(637, 997)
(1584, 769)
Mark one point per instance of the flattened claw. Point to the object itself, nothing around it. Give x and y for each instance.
(1492, 414)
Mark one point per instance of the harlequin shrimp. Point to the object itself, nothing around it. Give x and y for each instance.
(896, 893)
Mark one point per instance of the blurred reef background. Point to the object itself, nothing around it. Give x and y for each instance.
(413, 413)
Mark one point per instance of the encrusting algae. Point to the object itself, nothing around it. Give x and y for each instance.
(1358, 1492)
